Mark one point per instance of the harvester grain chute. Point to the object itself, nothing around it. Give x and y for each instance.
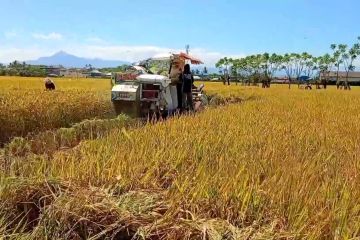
(140, 93)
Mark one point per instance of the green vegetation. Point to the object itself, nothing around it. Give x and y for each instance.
(22, 69)
(256, 68)
(121, 68)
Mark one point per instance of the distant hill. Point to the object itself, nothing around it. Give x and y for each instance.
(69, 60)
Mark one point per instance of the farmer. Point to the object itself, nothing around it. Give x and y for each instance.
(49, 84)
(176, 88)
(187, 80)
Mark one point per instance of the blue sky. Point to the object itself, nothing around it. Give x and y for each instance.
(135, 29)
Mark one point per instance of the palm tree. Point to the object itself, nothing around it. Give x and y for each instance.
(337, 58)
(287, 65)
(348, 58)
(223, 64)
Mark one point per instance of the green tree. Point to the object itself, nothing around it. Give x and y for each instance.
(2, 69)
(311, 66)
(337, 51)
(287, 66)
(224, 64)
(271, 64)
(348, 56)
(295, 65)
(325, 65)
(239, 69)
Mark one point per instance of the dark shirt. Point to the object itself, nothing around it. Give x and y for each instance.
(187, 82)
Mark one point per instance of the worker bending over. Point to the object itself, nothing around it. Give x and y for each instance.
(49, 84)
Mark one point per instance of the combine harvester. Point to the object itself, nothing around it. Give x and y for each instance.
(141, 93)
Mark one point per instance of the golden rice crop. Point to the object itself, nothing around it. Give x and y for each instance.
(25, 83)
(280, 164)
(25, 107)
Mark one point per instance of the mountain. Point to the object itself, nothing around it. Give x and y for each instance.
(69, 60)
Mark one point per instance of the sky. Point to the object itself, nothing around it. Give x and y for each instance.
(132, 30)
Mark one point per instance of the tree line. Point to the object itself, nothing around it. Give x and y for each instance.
(263, 67)
(17, 68)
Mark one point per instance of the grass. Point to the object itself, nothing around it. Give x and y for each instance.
(280, 164)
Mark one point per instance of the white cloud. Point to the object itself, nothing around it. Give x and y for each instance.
(120, 52)
(109, 52)
(50, 36)
(136, 53)
(10, 34)
(10, 54)
(211, 57)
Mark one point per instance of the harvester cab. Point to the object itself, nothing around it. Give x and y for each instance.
(140, 93)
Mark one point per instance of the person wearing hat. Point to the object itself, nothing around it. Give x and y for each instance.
(49, 84)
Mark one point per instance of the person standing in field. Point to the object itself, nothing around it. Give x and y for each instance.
(176, 78)
(187, 83)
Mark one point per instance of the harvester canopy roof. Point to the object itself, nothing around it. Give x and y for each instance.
(192, 59)
(168, 56)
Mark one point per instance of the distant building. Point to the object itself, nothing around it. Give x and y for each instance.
(108, 75)
(59, 71)
(280, 80)
(54, 70)
(73, 72)
(96, 73)
(354, 77)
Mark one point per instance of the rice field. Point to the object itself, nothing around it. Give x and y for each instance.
(279, 164)
(26, 107)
